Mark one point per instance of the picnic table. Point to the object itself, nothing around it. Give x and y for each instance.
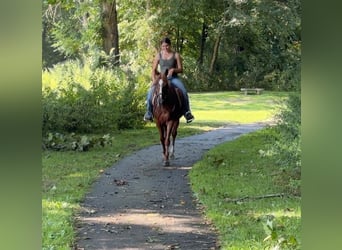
(252, 90)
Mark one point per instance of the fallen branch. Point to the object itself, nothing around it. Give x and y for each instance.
(255, 197)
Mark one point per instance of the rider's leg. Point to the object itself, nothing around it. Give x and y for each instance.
(149, 113)
(176, 82)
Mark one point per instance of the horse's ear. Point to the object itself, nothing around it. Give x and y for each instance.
(166, 72)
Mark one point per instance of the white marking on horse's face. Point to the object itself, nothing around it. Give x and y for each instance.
(160, 86)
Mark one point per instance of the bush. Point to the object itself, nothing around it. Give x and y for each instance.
(288, 147)
(60, 142)
(78, 99)
(290, 131)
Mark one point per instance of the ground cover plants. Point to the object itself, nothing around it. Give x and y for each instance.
(68, 174)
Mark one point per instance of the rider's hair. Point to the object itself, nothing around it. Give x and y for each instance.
(166, 40)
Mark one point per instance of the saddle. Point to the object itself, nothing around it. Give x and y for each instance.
(178, 93)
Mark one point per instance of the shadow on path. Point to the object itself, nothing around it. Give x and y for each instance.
(139, 204)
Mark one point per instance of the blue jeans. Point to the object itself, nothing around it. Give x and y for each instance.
(177, 83)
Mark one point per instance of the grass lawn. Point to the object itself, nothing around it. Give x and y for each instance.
(67, 176)
(243, 196)
(233, 107)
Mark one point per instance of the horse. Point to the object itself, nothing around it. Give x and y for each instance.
(167, 110)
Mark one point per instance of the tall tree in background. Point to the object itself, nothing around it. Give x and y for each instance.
(83, 29)
(74, 27)
(204, 36)
(110, 34)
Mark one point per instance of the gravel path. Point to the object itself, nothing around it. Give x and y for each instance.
(139, 204)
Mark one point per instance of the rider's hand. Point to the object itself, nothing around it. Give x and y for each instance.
(170, 73)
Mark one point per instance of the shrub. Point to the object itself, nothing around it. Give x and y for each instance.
(288, 147)
(290, 131)
(79, 99)
(60, 142)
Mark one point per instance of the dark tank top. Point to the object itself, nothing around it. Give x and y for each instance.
(168, 63)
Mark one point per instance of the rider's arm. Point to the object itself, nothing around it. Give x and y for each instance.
(179, 68)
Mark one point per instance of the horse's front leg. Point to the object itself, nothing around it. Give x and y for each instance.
(167, 144)
(174, 135)
(162, 140)
(171, 149)
(166, 151)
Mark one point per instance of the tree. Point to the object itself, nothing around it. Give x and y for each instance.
(83, 29)
(110, 34)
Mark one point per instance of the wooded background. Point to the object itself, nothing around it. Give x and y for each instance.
(225, 44)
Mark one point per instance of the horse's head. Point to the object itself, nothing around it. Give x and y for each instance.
(164, 74)
(163, 83)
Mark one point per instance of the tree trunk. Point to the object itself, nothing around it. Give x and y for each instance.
(204, 37)
(110, 30)
(215, 54)
(177, 39)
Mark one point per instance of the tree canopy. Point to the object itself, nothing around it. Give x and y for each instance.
(225, 44)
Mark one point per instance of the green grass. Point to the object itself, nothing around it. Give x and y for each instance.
(235, 170)
(233, 107)
(67, 176)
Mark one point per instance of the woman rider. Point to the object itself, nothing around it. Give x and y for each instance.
(168, 59)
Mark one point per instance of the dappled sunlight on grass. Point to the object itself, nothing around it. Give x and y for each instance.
(281, 212)
(76, 175)
(232, 116)
(233, 101)
(232, 107)
(55, 206)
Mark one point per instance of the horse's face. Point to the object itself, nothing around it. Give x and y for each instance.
(163, 88)
(163, 79)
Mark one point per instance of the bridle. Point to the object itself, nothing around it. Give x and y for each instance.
(160, 92)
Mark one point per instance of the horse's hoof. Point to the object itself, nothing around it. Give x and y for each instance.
(166, 163)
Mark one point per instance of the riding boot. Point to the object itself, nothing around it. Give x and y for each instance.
(187, 113)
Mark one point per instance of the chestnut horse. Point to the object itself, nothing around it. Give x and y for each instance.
(167, 110)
